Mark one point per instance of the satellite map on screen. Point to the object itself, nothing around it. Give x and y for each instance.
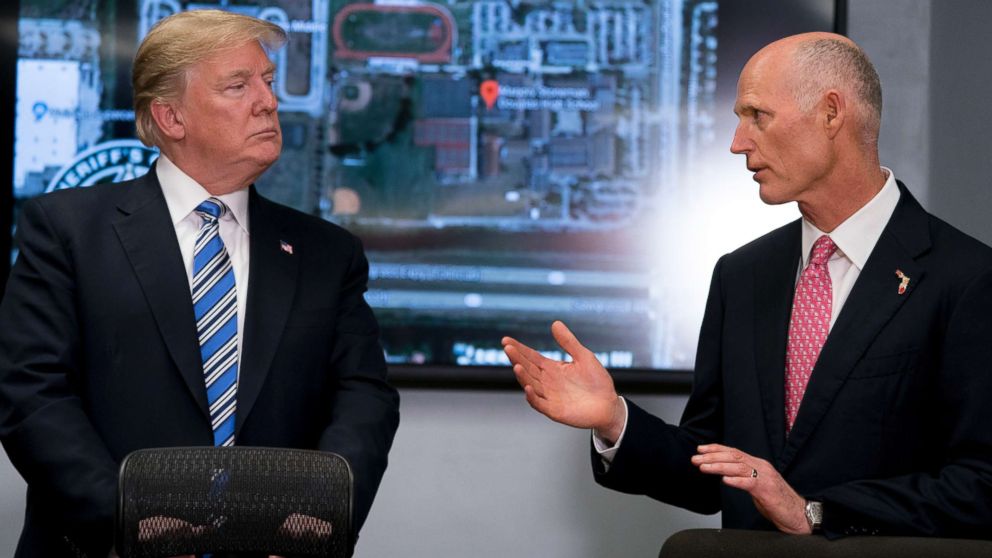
(505, 162)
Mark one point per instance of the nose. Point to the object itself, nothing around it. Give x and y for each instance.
(741, 144)
(267, 100)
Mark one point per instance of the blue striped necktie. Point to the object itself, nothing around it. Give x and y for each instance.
(215, 305)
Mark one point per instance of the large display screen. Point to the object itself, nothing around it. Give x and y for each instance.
(506, 162)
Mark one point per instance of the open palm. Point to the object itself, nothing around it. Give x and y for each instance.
(578, 393)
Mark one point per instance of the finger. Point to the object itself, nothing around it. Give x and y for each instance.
(527, 379)
(525, 352)
(742, 470)
(743, 478)
(516, 357)
(521, 375)
(537, 403)
(523, 368)
(709, 453)
(567, 340)
(746, 484)
(719, 457)
(712, 448)
(514, 352)
(536, 383)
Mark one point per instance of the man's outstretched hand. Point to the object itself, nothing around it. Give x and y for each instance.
(578, 393)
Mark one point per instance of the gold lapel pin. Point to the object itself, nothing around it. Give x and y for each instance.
(903, 281)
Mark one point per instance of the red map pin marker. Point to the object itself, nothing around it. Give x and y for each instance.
(489, 90)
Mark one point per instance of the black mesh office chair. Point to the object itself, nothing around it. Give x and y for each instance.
(242, 500)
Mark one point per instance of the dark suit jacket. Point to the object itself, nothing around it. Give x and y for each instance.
(894, 433)
(99, 353)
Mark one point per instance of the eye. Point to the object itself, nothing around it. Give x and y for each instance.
(236, 86)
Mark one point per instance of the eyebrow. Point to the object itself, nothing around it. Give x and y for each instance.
(746, 108)
(244, 73)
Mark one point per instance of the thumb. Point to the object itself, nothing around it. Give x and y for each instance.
(567, 340)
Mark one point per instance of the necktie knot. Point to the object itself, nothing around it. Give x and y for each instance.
(823, 248)
(210, 210)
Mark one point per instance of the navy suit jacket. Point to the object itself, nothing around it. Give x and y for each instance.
(894, 434)
(99, 353)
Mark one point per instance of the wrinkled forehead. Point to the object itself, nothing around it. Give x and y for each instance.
(766, 76)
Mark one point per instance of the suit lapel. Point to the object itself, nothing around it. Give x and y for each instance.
(873, 301)
(271, 287)
(147, 234)
(774, 281)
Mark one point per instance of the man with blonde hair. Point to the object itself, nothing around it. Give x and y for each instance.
(842, 376)
(183, 308)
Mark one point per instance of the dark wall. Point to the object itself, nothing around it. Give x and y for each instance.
(961, 115)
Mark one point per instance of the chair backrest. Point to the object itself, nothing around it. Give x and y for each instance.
(177, 501)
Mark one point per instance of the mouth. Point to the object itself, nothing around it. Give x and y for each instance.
(757, 170)
(266, 134)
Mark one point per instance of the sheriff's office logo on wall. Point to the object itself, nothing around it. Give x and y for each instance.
(111, 161)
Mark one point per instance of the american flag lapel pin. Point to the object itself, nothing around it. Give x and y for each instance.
(903, 281)
(286, 247)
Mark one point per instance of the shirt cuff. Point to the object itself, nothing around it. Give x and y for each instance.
(607, 453)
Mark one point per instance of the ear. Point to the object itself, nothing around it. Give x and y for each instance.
(834, 107)
(169, 120)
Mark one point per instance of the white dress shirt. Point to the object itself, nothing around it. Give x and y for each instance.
(855, 239)
(182, 195)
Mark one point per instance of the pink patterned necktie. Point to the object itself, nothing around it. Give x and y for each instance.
(808, 327)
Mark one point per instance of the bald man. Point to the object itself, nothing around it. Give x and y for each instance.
(843, 370)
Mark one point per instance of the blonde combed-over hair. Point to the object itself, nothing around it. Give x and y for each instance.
(177, 43)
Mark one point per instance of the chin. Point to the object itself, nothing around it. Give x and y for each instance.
(267, 157)
(769, 196)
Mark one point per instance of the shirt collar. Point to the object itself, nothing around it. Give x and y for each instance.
(183, 194)
(857, 235)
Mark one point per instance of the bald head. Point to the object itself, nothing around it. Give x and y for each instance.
(809, 109)
(815, 63)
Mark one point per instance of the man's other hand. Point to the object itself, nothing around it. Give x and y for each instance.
(299, 525)
(773, 497)
(156, 527)
(578, 393)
